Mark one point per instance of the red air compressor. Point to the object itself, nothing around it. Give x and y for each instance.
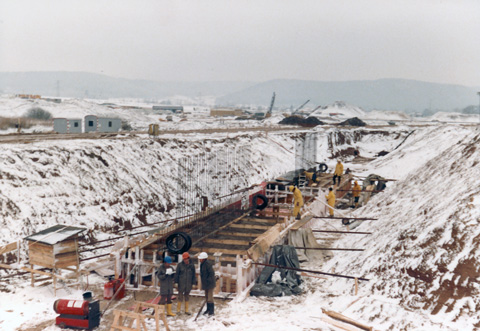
(80, 314)
(112, 286)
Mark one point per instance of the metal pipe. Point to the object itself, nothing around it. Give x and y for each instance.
(310, 271)
(348, 218)
(94, 257)
(349, 232)
(331, 249)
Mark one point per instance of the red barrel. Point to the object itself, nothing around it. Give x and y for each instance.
(118, 284)
(71, 307)
(108, 290)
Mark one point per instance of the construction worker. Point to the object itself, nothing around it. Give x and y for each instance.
(166, 276)
(297, 201)
(311, 176)
(185, 278)
(208, 277)
(357, 189)
(330, 201)
(338, 172)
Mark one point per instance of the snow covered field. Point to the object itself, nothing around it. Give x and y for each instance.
(422, 258)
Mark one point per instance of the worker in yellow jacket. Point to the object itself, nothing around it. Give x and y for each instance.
(330, 200)
(297, 201)
(311, 176)
(338, 172)
(357, 189)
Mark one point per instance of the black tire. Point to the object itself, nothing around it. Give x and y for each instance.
(322, 167)
(255, 201)
(189, 241)
(178, 243)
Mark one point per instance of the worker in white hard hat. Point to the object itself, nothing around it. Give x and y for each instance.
(207, 275)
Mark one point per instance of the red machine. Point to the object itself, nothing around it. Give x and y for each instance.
(82, 314)
(112, 286)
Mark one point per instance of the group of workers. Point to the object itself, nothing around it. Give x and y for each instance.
(184, 276)
(337, 177)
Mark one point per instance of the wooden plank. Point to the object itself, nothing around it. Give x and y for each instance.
(66, 263)
(238, 234)
(346, 319)
(263, 242)
(260, 220)
(8, 248)
(65, 247)
(223, 227)
(42, 249)
(298, 224)
(39, 245)
(248, 226)
(224, 258)
(227, 241)
(39, 254)
(66, 255)
(37, 258)
(338, 324)
(224, 251)
(6, 266)
(272, 213)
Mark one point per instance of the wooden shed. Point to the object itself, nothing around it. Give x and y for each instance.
(55, 247)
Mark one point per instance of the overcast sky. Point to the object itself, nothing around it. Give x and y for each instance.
(214, 40)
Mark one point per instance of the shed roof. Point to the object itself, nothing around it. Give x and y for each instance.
(55, 234)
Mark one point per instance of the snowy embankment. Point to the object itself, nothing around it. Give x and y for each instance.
(111, 184)
(422, 258)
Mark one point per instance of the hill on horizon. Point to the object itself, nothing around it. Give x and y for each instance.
(99, 86)
(382, 94)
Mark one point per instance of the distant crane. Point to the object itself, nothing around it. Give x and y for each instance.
(314, 110)
(269, 112)
(296, 110)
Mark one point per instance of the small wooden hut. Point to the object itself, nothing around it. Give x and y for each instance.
(55, 248)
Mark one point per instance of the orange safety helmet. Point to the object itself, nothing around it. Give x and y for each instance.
(185, 255)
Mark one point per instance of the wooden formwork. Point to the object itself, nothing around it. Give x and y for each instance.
(231, 245)
(122, 317)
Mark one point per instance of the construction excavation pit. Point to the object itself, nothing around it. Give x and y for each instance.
(302, 238)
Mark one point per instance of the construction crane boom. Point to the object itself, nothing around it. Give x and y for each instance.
(303, 105)
(271, 104)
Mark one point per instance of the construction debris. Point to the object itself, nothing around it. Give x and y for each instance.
(273, 282)
(355, 121)
(302, 121)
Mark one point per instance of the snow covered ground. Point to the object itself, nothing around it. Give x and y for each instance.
(422, 258)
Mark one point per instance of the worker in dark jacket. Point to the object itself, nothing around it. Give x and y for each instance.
(166, 275)
(207, 275)
(185, 278)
